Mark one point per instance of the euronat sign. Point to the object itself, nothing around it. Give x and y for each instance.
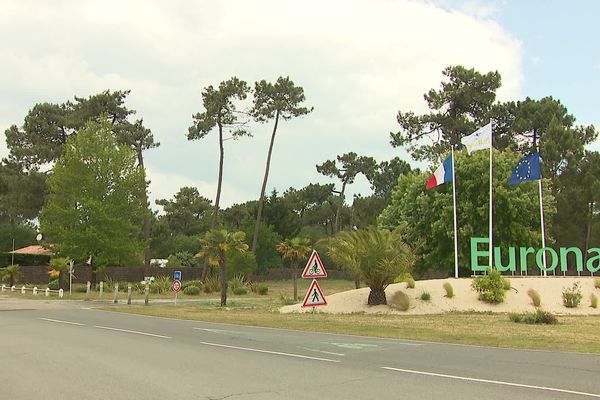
(513, 257)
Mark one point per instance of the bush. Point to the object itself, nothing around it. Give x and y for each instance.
(506, 285)
(593, 301)
(191, 290)
(286, 301)
(410, 283)
(211, 283)
(490, 287)
(238, 281)
(162, 284)
(572, 295)
(262, 289)
(425, 296)
(535, 297)
(597, 283)
(449, 290)
(185, 284)
(400, 301)
(537, 317)
(240, 290)
(80, 288)
(53, 284)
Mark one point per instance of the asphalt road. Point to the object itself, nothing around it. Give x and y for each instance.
(91, 354)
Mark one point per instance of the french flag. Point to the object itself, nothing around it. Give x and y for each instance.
(441, 175)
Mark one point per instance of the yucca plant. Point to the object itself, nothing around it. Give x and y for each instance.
(296, 250)
(12, 274)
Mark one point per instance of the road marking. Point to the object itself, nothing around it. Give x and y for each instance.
(129, 331)
(323, 351)
(62, 322)
(219, 331)
(268, 352)
(464, 378)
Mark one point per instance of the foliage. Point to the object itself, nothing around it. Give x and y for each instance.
(449, 290)
(537, 317)
(23, 234)
(241, 263)
(95, 206)
(400, 301)
(211, 283)
(161, 284)
(262, 289)
(377, 256)
(21, 201)
(237, 281)
(185, 284)
(182, 259)
(265, 255)
(240, 290)
(597, 283)
(295, 250)
(59, 268)
(572, 295)
(189, 212)
(285, 300)
(191, 290)
(427, 214)
(535, 297)
(593, 301)
(410, 283)
(53, 285)
(506, 285)
(11, 274)
(425, 296)
(490, 287)
(253, 286)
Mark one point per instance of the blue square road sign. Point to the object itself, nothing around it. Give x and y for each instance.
(177, 275)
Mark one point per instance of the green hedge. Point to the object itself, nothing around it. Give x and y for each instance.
(23, 259)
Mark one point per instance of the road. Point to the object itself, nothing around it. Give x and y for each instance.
(92, 354)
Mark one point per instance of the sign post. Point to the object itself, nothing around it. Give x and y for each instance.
(176, 288)
(314, 269)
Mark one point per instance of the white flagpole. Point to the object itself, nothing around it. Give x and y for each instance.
(455, 219)
(542, 224)
(491, 198)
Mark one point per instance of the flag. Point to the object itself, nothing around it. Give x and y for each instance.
(481, 139)
(527, 169)
(442, 174)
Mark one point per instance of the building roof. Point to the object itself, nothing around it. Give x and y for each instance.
(34, 250)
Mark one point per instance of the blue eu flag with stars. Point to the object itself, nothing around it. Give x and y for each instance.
(527, 169)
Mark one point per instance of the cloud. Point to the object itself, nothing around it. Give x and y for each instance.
(359, 63)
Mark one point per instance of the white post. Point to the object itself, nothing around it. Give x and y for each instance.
(491, 196)
(129, 294)
(35, 291)
(47, 292)
(12, 288)
(87, 290)
(2, 288)
(115, 300)
(22, 289)
(60, 293)
(542, 225)
(455, 219)
(101, 288)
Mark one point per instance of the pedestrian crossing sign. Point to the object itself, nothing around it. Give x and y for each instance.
(314, 267)
(314, 296)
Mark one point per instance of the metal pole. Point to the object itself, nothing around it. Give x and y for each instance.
(70, 278)
(455, 219)
(491, 198)
(542, 225)
(12, 260)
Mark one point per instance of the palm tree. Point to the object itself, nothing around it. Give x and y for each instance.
(58, 267)
(376, 255)
(215, 245)
(295, 250)
(12, 274)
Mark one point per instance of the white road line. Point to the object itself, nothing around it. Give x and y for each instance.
(62, 322)
(268, 352)
(129, 331)
(464, 378)
(324, 352)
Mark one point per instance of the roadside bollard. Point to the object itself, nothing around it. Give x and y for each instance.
(87, 290)
(129, 294)
(146, 291)
(116, 299)
(47, 292)
(61, 293)
(12, 288)
(101, 289)
(22, 289)
(35, 291)
(3, 288)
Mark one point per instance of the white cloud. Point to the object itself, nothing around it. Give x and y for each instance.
(359, 63)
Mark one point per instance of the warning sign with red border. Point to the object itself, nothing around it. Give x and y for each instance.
(314, 296)
(314, 267)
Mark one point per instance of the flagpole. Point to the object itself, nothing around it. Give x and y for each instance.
(455, 219)
(491, 198)
(542, 225)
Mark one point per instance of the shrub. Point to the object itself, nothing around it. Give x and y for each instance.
(403, 277)
(285, 300)
(410, 283)
(597, 283)
(490, 287)
(262, 289)
(449, 289)
(425, 296)
(191, 290)
(53, 284)
(400, 301)
(138, 287)
(572, 295)
(162, 284)
(80, 288)
(238, 281)
(253, 286)
(185, 284)
(593, 301)
(240, 290)
(537, 317)
(212, 283)
(506, 285)
(535, 297)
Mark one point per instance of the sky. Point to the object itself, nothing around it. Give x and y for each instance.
(359, 62)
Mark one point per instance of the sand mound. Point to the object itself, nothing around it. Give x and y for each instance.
(465, 299)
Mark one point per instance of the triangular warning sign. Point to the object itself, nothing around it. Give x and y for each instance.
(314, 267)
(314, 296)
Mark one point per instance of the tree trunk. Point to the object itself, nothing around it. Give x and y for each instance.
(261, 200)
(338, 220)
(295, 273)
(223, 267)
(588, 232)
(376, 297)
(357, 282)
(219, 180)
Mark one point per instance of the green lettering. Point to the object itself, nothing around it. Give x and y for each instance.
(540, 262)
(475, 254)
(511, 259)
(523, 251)
(590, 262)
(564, 252)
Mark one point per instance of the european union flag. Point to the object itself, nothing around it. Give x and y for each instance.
(527, 169)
